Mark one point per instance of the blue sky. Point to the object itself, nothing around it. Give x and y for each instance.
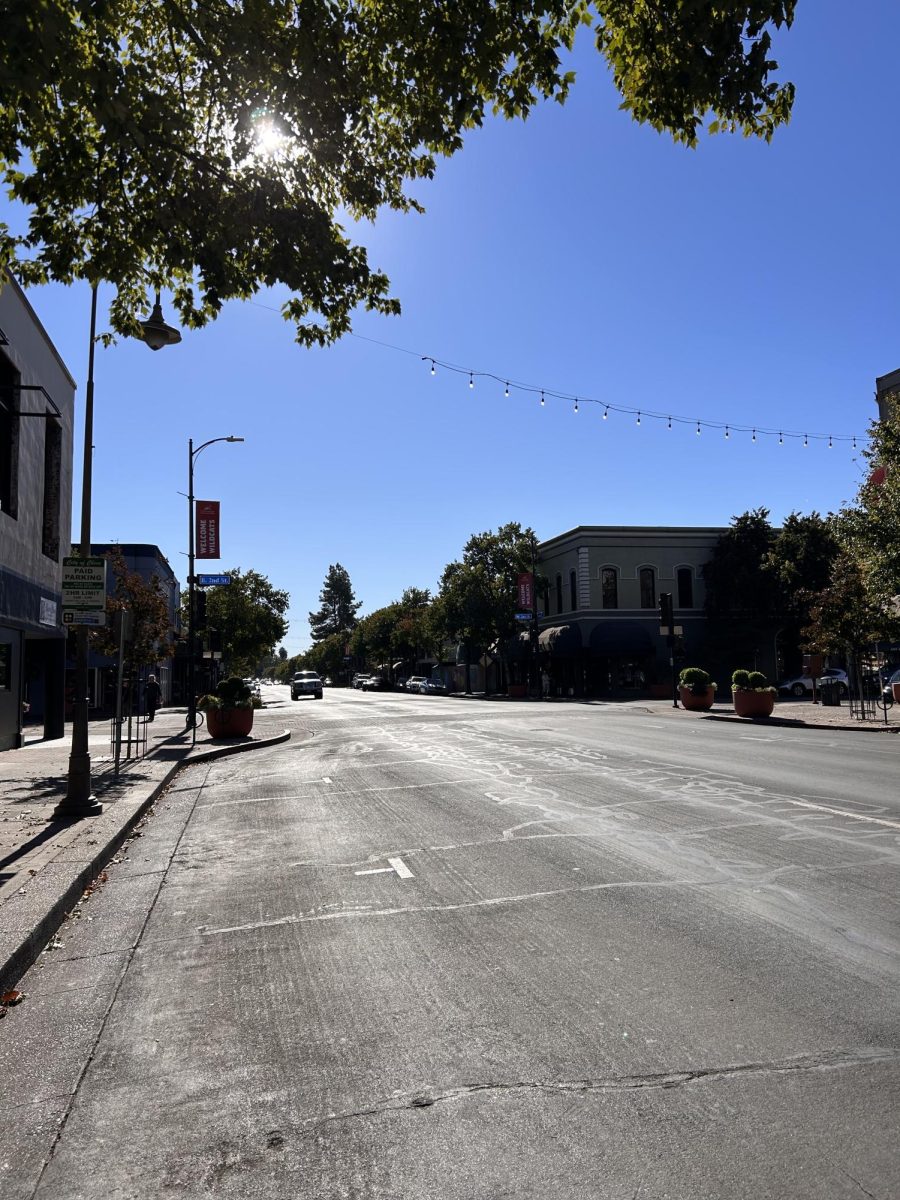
(740, 282)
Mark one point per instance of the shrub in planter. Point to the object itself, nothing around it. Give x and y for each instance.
(229, 711)
(751, 694)
(696, 690)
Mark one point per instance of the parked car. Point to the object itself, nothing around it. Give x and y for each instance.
(400, 683)
(359, 679)
(306, 683)
(802, 685)
(886, 691)
(414, 683)
(375, 683)
(433, 687)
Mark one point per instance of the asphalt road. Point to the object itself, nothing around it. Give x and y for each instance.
(460, 951)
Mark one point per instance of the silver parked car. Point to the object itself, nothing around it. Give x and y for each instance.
(802, 685)
(414, 683)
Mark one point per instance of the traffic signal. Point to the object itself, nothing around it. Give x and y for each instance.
(215, 641)
(200, 608)
(665, 611)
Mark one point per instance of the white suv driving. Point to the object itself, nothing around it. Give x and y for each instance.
(306, 683)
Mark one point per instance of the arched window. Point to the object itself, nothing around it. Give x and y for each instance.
(685, 587)
(573, 591)
(648, 587)
(559, 593)
(609, 584)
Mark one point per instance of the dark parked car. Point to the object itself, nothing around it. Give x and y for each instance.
(433, 687)
(375, 683)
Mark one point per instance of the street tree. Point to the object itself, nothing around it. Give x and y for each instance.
(152, 632)
(248, 614)
(870, 528)
(338, 606)
(846, 616)
(216, 148)
(477, 600)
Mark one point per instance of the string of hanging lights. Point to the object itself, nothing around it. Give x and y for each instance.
(727, 428)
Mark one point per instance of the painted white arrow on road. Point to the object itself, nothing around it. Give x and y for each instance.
(397, 865)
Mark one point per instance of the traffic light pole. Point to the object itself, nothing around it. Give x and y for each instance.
(667, 628)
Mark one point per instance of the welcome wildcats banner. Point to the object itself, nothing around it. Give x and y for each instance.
(208, 529)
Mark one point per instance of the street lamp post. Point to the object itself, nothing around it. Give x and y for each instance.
(79, 800)
(192, 665)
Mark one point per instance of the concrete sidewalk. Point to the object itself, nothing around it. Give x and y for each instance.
(45, 865)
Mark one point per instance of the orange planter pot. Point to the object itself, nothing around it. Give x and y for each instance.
(229, 722)
(694, 703)
(753, 704)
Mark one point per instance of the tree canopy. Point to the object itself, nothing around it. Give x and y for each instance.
(213, 148)
(338, 606)
(249, 615)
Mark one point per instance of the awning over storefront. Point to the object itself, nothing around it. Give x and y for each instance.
(560, 639)
(620, 639)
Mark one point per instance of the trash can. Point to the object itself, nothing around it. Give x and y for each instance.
(829, 693)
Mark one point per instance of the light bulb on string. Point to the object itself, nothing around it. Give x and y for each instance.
(805, 440)
(854, 443)
(670, 422)
(606, 412)
(830, 446)
(780, 439)
(542, 399)
(727, 432)
(471, 380)
(576, 404)
(753, 439)
(698, 429)
(638, 421)
(506, 393)
(432, 366)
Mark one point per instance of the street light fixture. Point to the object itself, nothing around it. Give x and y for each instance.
(79, 800)
(192, 690)
(155, 332)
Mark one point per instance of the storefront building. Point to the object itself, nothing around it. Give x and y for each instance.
(599, 635)
(37, 396)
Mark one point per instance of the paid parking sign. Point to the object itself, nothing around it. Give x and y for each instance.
(84, 591)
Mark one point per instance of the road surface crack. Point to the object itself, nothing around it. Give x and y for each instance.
(840, 1059)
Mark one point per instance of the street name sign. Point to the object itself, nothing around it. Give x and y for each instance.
(527, 616)
(213, 580)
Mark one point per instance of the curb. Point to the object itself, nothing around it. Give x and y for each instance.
(791, 723)
(22, 956)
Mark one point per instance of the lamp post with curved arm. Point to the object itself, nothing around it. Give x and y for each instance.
(192, 623)
(79, 800)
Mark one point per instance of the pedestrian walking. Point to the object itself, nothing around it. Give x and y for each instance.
(151, 694)
(545, 685)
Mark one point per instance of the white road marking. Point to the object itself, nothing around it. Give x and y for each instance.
(401, 868)
(326, 779)
(375, 871)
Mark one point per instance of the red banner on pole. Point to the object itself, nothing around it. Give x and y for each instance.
(208, 529)
(526, 591)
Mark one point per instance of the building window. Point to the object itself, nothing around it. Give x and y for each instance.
(685, 587)
(559, 607)
(648, 587)
(9, 438)
(52, 471)
(609, 581)
(573, 591)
